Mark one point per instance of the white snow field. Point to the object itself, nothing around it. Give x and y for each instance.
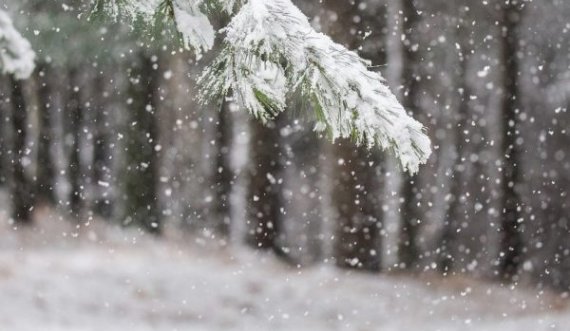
(106, 279)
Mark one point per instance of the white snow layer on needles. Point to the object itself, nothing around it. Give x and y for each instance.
(195, 27)
(271, 51)
(16, 54)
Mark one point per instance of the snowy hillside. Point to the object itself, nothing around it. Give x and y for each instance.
(110, 280)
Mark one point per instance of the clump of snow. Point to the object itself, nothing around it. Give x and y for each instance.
(16, 54)
(194, 26)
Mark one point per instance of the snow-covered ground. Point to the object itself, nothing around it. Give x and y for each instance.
(106, 279)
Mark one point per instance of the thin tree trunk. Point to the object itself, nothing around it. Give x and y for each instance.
(358, 180)
(512, 246)
(101, 154)
(358, 209)
(223, 175)
(21, 188)
(4, 130)
(452, 221)
(264, 196)
(411, 215)
(46, 169)
(74, 170)
(141, 187)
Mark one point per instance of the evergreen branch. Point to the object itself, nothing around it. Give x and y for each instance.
(270, 52)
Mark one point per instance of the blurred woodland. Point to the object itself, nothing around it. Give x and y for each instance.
(108, 130)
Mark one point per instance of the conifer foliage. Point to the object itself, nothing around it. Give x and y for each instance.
(271, 52)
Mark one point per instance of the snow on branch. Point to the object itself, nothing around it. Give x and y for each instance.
(195, 27)
(191, 21)
(258, 58)
(271, 51)
(16, 54)
(353, 102)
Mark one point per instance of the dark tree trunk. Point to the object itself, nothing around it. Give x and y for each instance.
(75, 113)
(264, 194)
(141, 182)
(358, 209)
(358, 180)
(411, 214)
(21, 187)
(46, 169)
(4, 131)
(512, 246)
(101, 154)
(223, 175)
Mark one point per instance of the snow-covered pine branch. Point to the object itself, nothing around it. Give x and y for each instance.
(271, 52)
(16, 54)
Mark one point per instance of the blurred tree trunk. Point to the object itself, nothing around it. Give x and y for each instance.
(264, 196)
(141, 180)
(46, 173)
(453, 217)
(4, 131)
(301, 199)
(223, 175)
(411, 214)
(21, 188)
(359, 212)
(101, 151)
(75, 113)
(358, 181)
(512, 245)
